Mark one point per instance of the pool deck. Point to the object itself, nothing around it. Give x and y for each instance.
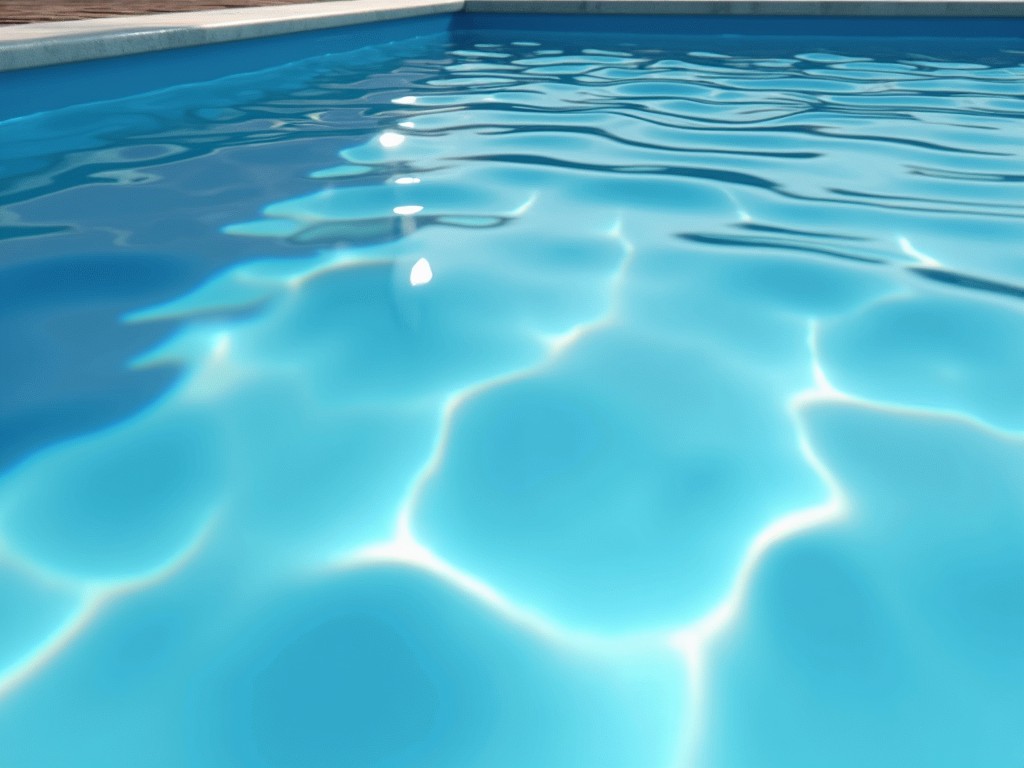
(41, 44)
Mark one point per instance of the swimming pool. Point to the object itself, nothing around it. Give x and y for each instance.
(510, 396)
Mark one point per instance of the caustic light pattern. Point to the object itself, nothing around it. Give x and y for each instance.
(508, 401)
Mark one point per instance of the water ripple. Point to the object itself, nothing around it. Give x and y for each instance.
(538, 402)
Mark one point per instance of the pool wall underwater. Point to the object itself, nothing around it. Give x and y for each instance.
(506, 390)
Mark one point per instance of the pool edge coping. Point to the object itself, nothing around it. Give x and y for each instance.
(28, 46)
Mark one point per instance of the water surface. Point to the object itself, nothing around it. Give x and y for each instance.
(520, 399)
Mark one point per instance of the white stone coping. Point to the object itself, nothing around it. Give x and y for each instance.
(34, 45)
(61, 42)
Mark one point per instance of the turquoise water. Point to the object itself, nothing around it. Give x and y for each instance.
(520, 399)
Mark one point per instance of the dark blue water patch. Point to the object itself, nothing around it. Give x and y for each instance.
(774, 230)
(724, 176)
(25, 92)
(10, 233)
(969, 281)
(569, 130)
(132, 203)
(765, 243)
(64, 350)
(112, 144)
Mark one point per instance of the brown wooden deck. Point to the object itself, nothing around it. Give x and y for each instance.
(26, 11)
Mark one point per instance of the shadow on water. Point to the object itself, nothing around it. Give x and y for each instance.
(111, 207)
(972, 283)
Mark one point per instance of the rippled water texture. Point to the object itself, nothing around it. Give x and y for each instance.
(521, 400)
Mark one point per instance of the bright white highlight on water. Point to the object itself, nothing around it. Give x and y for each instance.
(910, 250)
(406, 550)
(421, 273)
(407, 180)
(404, 100)
(221, 347)
(407, 210)
(390, 139)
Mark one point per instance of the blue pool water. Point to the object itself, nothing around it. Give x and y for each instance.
(520, 398)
